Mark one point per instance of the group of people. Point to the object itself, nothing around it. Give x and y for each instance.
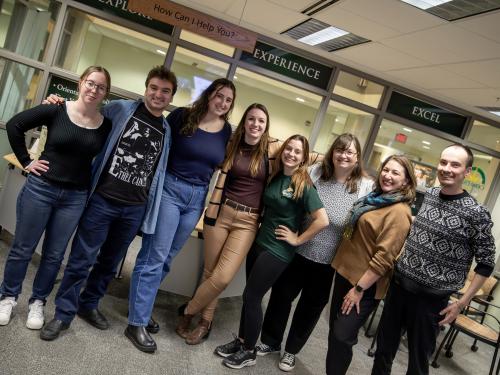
(302, 221)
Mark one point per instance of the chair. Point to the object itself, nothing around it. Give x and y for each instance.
(481, 330)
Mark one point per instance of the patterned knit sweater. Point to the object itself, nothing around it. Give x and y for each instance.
(448, 232)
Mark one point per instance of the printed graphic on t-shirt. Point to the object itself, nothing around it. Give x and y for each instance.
(136, 153)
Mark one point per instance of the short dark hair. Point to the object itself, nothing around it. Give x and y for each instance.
(468, 151)
(163, 73)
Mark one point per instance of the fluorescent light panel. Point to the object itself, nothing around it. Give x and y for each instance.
(323, 35)
(497, 113)
(426, 4)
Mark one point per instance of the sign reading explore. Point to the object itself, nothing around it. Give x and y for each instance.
(288, 64)
(69, 90)
(426, 114)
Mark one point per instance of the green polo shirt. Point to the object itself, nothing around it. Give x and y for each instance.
(282, 209)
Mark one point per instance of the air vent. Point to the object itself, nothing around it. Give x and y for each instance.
(452, 10)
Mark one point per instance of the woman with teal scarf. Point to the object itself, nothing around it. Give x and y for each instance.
(374, 235)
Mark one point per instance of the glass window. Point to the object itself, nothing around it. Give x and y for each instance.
(194, 73)
(18, 87)
(358, 89)
(478, 182)
(127, 54)
(485, 135)
(340, 119)
(4, 150)
(207, 43)
(26, 26)
(291, 110)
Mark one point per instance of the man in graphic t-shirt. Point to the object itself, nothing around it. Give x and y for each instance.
(126, 189)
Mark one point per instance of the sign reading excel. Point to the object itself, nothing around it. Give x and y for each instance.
(120, 8)
(426, 114)
(69, 90)
(288, 64)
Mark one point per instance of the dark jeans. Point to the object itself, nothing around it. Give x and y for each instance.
(265, 271)
(343, 334)
(41, 206)
(419, 315)
(106, 226)
(314, 281)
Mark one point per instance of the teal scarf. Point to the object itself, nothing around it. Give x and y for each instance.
(370, 202)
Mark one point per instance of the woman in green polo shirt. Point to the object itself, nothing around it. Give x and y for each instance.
(289, 196)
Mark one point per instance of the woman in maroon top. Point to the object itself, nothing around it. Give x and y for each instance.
(235, 208)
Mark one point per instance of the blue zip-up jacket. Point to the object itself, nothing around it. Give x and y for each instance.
(120, 112)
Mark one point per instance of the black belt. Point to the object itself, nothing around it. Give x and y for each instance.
(240, 207)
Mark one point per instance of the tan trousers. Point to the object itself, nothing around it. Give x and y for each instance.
(225, 247)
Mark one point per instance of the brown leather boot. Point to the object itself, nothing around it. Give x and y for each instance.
(200, 333)
(184, 323)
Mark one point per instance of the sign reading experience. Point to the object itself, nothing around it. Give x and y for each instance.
(426, 114)
(288, 64)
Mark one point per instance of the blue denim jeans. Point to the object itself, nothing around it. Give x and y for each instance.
(41, 206)
(181, 207)
(104, 234)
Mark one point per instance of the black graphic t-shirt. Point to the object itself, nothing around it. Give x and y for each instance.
(130, 168)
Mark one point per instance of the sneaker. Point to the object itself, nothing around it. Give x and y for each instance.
(240, 359)
(264, 349)
(6, 306)
(35, 315)
(230, 348)
(287, 362)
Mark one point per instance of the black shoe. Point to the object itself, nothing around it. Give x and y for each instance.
(241, 359)
(153, 326)
(52, 329)
(140, 338)
(232, 347)
(95, 318)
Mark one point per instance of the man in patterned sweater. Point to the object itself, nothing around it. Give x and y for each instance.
(450, 230)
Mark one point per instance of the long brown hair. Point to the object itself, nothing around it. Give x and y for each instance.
(97, 69)
(200, 106)
(408, 190)
(258, 152)
(343, 142)
(300, 178)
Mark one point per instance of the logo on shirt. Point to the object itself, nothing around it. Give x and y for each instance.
(288, 192)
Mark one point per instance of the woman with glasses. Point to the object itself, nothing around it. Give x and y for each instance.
(56, 189)
(340, 180)
(376, 229)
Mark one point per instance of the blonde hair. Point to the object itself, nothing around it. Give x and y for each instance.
(97, 69)
(300, 178)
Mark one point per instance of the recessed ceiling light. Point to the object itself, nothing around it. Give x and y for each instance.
(426, 143)
(323, 35)
(161, 52)
(426, 4)
(426, 147)
(497, 113)
(407, 130)
(235, 77)
(299, 99)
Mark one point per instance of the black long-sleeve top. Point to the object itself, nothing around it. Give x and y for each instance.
(69, 148)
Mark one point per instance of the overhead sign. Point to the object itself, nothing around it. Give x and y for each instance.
(119, 8)
(68, 90)
(197, 22)
(426, 114)
(288, 64)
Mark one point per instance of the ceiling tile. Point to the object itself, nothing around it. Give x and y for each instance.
(477, 97)
(394, 14)
(487, 25)
(434, 78)
(379, 57)
(296, 5)
(486, 72)
(264, 14)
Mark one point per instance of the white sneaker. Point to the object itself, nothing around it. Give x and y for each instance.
(287, 362)
(35, 315)
(6, 306)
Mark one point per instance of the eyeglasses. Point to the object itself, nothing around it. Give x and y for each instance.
(347, 153)
(91, 85)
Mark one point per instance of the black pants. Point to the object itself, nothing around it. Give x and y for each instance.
(314, 280)
(419, 315)
(343, 334)
(264, 273)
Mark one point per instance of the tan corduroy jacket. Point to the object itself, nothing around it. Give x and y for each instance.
(212, 211)
(376, 242)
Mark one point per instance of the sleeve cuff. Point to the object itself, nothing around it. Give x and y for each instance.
(484, 269)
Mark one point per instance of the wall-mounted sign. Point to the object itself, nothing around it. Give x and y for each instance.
(119, 8)
(197, 22)
(69, 90)
(426, 114)
(288, 64)
(475, 181)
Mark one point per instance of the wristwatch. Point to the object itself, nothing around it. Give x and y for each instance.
(358, 288)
